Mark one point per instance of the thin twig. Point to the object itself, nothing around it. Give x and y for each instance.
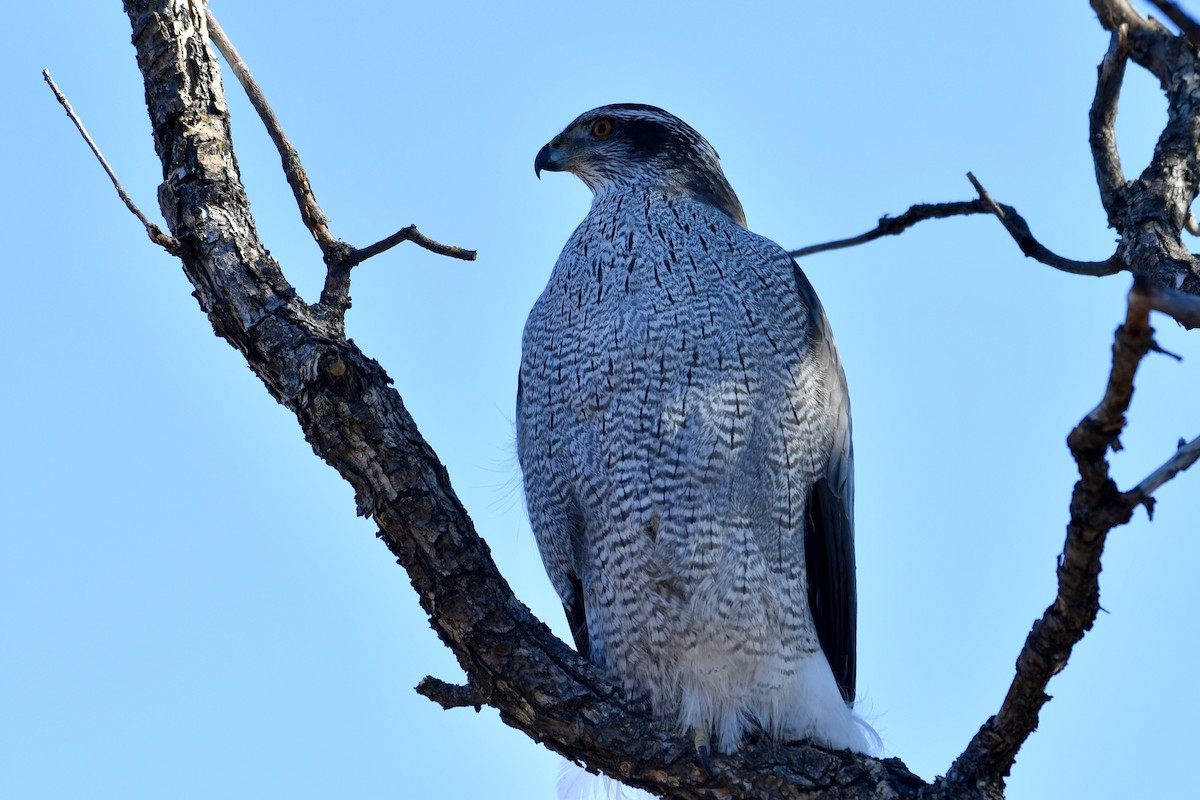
(156, 234)
(891, 226)
(314, 219)
(1102, 117)
(1187, 24)
(409, 234)
(1018, 229)
(1184, 457)
(1013, 222)
(342, 258)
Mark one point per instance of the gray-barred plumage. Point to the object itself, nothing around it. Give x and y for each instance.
(684, 433)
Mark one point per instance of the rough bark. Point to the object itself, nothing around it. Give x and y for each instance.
(357, 422)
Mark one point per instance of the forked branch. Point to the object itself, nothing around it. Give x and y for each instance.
(1018, 229)
(1186, 23)
(1013, 222)
(340, 257)
(1097, 506)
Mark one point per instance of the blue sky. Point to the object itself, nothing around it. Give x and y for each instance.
(188, 605)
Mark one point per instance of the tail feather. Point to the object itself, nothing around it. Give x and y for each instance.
(817, 712)
(576, 783)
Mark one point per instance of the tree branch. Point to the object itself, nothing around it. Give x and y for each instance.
(1097, 506)
(410, 234)
(1187, 25)
(1018, 229)
(155, 233)
(340, 258)
(314, 218)
(1013, 222)
(1151, 212)
(892, 226)
(1184, 457)
(1183, 308)
(1144, 35)
(1110, 178)
(449, 695)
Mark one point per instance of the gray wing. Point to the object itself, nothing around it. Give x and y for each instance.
(566, 582)
(829, 535)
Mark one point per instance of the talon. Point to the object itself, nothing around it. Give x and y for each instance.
(701, 742)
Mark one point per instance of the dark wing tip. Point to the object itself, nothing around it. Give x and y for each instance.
(829, 557)
(577, 618)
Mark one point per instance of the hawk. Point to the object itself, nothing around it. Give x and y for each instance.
(683, 427)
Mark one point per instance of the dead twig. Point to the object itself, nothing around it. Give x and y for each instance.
(891, 226)
(1013, 222)
(1018, 229)
(156, 234)
(1097, 506)
(409, 234)
(1186, 455)
(314, 219)
(452, 695)
(340, 257)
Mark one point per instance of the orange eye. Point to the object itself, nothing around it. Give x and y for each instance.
(602, 127)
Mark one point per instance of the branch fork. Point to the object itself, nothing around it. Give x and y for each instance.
(340, 257)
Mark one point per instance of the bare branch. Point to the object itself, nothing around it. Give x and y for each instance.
(1133, 341)
(314, 219)
(156, 234)
(340, 258)
(891, 226)
(1187, 25)
(1101, 121)
(1143, 31)
(1013, 222)
(450, 695)
(1097, 506)
(1018, 229)
(409, 234)
(1187, 454)
(1183, 307)
(1151, 211)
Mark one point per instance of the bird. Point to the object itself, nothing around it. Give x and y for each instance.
(684, 434)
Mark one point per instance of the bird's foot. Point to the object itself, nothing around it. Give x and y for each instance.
(703, 745)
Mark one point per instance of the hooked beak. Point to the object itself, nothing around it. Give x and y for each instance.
(549, 158)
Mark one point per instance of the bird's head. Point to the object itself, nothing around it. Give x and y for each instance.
(631, 145)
